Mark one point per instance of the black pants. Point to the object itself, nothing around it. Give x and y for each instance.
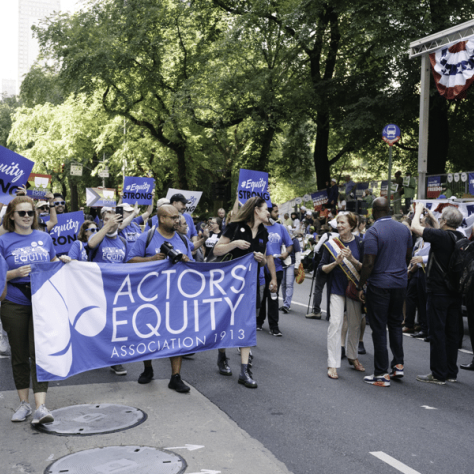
(443, 316)
(416, 299)
(470, 315)
(385, 308)
(273, 315)
(321, 279)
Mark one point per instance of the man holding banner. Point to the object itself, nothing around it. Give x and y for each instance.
(164, 239)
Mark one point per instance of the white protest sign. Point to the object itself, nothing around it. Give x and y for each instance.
(193, 198)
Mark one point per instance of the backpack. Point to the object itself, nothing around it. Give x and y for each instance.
(152, 231)
(93, 252)
(459, 276)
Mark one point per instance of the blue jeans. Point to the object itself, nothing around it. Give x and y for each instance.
(385, 308)
(287, 285)
(443, 316)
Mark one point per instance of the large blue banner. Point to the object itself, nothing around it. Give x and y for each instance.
(138, 190)
(253, 183)
(64, 233)
(92, 315)
(14, 173)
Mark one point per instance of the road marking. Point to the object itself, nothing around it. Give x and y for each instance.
(426, 407)
(205, 471)
(465, 351)
(394, 463)
(189, 447)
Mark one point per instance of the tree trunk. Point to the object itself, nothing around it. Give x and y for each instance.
(321, 161)
(182, 179)
(438, 135)
(74, 196)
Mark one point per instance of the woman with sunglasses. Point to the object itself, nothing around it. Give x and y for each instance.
(21, 246)
(79, 249)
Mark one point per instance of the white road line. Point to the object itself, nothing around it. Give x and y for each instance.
(426, 407)
(465, 351)
(394, 463)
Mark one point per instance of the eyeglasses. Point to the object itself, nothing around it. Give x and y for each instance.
(92, 229)
(43, 208)
(60, 203)
(24, 213)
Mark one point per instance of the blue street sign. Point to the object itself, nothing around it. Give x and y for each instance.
(391, 134)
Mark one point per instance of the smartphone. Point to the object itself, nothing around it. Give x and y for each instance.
(119, 210)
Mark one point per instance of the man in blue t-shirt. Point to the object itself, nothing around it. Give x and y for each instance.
(168, 219)
(277, 236)
(387, 253)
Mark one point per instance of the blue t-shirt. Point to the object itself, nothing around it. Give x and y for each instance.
(131, 232)
(261, 277)
(78, 251)
(277, 235)
(339, 278)
(389, 240)
(110, 251)
(19, 250)
(141, 250)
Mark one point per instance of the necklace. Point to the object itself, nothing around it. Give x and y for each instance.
(347, 241)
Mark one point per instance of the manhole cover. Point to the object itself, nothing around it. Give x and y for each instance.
(93, 419)
(119, 459)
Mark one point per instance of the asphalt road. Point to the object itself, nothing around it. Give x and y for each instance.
(314, 424)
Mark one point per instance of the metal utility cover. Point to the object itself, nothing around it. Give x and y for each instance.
(83, 420)
(119, 459)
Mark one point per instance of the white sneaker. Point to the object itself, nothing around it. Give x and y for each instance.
(22, 412)
(42, 415)
(4, 346)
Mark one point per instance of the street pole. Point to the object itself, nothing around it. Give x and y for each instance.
(389, 190)
(103, 179)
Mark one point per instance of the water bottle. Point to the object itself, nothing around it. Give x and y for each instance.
(273, 296)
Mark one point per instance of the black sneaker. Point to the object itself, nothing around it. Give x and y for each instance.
(177, 384)
(146, 376)
(118, 369)
(286, 310)
(259, 327)
(275, 332)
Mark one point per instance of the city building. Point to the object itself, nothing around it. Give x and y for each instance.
(30, 13)
(8, 88)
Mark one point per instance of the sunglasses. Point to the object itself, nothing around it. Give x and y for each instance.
(93, 229)
(43, 208)
(60, 203)
(24, 213)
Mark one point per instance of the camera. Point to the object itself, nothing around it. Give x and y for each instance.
(170, 252)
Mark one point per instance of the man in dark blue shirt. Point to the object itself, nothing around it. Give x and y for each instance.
(387, 252)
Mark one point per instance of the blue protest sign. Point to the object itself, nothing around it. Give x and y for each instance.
(253, 183)
(361, 188)
(471, 184)
(138, 190)
(434, 187)
(64, 233)
(391, 134)
(14, 173)
(91, 315)
(319, 198)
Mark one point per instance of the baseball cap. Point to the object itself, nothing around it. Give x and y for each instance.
(302, 208)
(126, 207)
(42, 203)
(162, 202)
(178, 197)
(106, 209)
(333, 180)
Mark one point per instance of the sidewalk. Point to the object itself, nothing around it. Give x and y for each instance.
(174, 420)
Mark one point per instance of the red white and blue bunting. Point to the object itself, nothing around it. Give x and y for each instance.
(453, 69)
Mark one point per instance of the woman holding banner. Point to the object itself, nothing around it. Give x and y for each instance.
(341, 259)
(23, 244)
(243, 235)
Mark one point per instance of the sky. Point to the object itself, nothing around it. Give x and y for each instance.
(9, 35)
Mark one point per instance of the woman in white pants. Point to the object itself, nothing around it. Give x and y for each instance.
(341, 259)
